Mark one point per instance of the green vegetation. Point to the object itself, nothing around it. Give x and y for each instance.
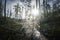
(50, 24)
(50, 27)
(10, 30)
(9, 23)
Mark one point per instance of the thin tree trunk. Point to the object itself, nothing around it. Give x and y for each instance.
(39, 5)
(44, 7)
(1, 9)
(5, 9)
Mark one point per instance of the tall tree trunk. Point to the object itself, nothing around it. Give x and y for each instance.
(5, 9)
(1, 9)
(39, 5)
(36, 3)
(10, 13)
(44, 7)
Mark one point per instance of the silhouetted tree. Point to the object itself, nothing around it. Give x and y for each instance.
(44, 7)
(7, 12)
(10, 13)
(17, 9)
(48, 7)
(5, 8)
(1, 8)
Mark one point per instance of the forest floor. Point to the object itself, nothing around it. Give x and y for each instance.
(9, 23)
(10, 30)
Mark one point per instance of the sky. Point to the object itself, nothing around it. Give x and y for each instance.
(10, 4)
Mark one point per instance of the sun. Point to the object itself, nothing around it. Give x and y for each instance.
(35, 12)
